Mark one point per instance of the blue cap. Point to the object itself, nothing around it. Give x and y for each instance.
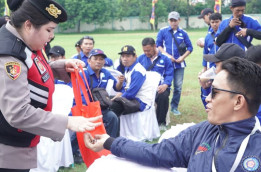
(95, 52)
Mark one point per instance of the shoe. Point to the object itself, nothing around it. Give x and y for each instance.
(175, 112)
(77, 159)
(163, 127)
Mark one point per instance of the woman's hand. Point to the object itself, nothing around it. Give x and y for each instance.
(71, 64)
(81, 124)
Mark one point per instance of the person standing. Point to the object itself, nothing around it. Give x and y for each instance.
(205, 13)
(231, 30)
(27, 84)
(210, 47)
(169, 41)
(86, 44)
(153, 60)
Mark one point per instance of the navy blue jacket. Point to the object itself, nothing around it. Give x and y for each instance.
(194, 148)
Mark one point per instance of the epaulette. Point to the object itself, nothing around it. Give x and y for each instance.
(10, 45)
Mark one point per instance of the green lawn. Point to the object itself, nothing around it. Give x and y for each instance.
(191, 106)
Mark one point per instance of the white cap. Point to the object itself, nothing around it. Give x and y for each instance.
(174, 15)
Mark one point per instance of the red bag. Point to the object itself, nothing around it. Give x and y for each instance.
(92, 109)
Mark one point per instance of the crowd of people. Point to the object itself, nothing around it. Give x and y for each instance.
(231, 96)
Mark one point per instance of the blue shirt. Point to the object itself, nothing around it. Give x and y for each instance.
(108, 62)
(165, 40)
(250, 23)
(101, 82)
(163, 66)
(84, 58)
(137, 80)
(209, 47)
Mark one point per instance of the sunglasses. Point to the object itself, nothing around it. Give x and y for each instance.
(214, 92)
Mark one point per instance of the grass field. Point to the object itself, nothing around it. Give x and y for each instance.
(190, 106)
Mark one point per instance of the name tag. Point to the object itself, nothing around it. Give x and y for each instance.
(45, 77)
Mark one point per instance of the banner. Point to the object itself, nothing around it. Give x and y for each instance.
(152, 18)
(217, 7)
(7, 11)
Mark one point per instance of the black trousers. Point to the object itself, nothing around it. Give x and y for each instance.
(13, 170)
(162, 101)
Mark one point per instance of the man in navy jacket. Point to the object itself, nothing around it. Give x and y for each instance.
(228, 141)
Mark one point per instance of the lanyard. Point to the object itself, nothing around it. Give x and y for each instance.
(241, 150)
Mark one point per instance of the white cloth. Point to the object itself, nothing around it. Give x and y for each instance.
(116, 164)
(112, 163)
(109, 87)
(53, 155)
(143, 125)
(174, 131)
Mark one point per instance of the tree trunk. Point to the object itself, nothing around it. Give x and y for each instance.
(187, 18)
(79, 26)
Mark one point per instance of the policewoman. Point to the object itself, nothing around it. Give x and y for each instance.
(27, 84)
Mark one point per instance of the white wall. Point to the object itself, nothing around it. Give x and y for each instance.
(134, 23)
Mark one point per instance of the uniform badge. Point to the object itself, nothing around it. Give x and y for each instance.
(13, 70)
(40, 66)
(251, 164)
(161, 61)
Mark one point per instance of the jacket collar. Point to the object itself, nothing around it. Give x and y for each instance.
(239, 128)
(178, 29)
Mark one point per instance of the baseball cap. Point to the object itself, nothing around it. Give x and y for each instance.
(128, 49)
(205, 12)
(238, 3)
(57, 50)
(225, 51)
(95, 52)
(49, 8)
(174, 15)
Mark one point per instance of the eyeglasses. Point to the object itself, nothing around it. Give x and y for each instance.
(213, 92)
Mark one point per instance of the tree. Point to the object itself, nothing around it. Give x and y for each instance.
(89, 11)
(253, 7)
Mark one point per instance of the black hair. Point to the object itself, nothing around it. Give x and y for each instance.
(245, 77)
(2, 21)
(148, 41)
(253, 54)
(215, 16)
(28, 12)
(86, 37)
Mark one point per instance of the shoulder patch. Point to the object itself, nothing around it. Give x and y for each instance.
(251, 164)
(13, 70)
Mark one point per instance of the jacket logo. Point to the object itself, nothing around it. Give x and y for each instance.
(251, 164)
(13, 70)
(203, 148)
(40, 66)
